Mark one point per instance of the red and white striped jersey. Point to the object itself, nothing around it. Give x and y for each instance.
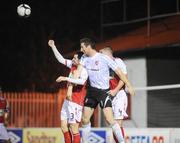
(79, 91)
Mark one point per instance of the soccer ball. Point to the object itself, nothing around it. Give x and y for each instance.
(24, 10)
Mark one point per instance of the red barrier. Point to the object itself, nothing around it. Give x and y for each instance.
(35, 109)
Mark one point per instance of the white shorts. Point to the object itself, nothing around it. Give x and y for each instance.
(71, 112)
(3, 132)
(119, 105)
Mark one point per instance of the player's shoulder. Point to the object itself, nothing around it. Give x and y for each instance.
(83, 58)
(118, 59)
(103, 56)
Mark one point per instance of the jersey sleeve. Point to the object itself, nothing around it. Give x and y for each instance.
(68, 63)
(121, 65)
(81, 80)
(61, 59)
(82, 60)
(111, 64)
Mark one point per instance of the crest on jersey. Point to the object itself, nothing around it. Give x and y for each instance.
(86, 100)
(96, 62)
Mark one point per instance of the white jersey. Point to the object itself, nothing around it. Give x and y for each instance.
(97, 67)
(121, 65)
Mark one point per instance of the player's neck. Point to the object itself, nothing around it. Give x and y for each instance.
(92, 53)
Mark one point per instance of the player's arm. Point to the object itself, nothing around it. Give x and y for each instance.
(71, 80)
(114, 91)
(79, 81)
(6, 118)
(120, 85)
(120, 74)
(124, 78)
(57, 54)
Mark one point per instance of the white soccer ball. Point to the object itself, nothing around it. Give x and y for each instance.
(24, 10)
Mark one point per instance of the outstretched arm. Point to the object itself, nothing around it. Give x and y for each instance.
(58, 56)
(71, 80)
(75, 80)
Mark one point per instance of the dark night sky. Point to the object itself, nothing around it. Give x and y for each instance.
(27, 63)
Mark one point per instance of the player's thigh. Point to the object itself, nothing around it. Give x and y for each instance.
(64, 110)
(122, 99)
(78, 112)
(87, 113)
(74, 128)
(108, 114)
(119, 105)
(64, 125)
(74, 112)
(119, 121)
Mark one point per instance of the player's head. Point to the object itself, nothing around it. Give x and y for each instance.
(107, 51)
(87, 45)
(76, 58)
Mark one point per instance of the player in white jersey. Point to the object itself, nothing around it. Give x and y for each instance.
(119, 100)
(97, 66)
(71, 112)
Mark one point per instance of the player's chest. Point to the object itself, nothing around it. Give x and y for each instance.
(93, 65)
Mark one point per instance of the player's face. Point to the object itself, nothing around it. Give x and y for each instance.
(84, 49)
(75, 59)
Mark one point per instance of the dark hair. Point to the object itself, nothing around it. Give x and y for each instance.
(79, 53)
(88, 41)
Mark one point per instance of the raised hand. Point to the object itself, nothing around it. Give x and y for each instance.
(51, 43)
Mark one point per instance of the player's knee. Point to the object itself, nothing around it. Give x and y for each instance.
(64, 128)
(109, 120)
(74, 128)
(85, 120)
(119, 122)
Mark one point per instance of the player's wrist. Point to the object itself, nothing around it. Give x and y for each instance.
(53, 47)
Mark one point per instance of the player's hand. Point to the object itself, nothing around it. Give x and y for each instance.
(51, 43)
(61, 78)
(69, 98)
(131, 91)
(112, 92)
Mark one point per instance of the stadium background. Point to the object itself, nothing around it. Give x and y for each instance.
(145, 34)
